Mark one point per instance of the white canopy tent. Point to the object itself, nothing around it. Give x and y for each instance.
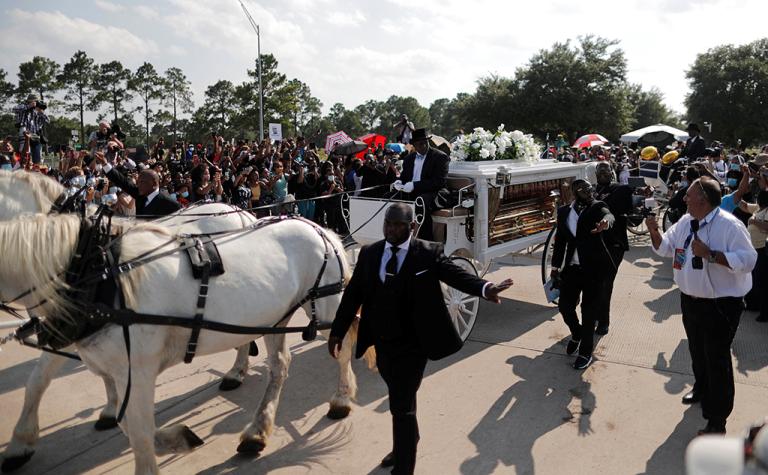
(635, 135)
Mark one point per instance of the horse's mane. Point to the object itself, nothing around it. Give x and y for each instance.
(336, 243)
(36, 250)
(44, 188)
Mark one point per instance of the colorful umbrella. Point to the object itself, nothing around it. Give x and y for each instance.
(589, 140)
(373, 141)
(336, 138)
(396, 147)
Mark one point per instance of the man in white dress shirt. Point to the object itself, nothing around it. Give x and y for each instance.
(712, 263)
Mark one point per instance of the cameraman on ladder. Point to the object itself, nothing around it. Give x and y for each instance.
(30, 119)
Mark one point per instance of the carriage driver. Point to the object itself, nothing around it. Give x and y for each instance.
(425, 172)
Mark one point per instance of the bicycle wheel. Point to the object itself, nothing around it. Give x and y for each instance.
(667, 220)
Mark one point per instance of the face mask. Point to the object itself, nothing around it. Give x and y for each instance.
(113, 190)
(735, 166)
(330, 177)
(77, 180)
(7, 166)
(185, 194)
(172, 196)
(683, 183)
(732, 182)
(99, 167)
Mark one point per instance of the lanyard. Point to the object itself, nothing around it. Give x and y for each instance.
(690, 235)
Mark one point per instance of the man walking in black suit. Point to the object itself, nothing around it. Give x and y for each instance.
(694, 146)
(618, 197)
(581, 251)
(397, 283)
(150, 203)
(425, 172)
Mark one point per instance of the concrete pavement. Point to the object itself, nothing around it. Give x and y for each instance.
(508, 403)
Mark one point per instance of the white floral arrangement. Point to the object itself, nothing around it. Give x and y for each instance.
(483, 145)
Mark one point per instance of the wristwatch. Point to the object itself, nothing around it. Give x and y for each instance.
(712, 257)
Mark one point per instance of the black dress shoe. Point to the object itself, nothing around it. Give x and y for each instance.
(582, 362)
(692, 397)
(601, 330)
(388, 460)
(572, 346)
(713, 428)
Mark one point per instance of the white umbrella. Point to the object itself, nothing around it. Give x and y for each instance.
(635, 135)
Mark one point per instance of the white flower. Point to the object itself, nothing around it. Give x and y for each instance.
(485, 153)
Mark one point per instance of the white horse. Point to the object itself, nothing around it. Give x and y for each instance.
(23, 193)
(38, 248)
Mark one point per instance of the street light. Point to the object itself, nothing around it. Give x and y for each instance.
(258, 68)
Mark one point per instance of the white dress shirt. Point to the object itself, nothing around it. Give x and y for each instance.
(418, 164)
(151, 196)
(722, 232)
(400, 258)
(573, 221)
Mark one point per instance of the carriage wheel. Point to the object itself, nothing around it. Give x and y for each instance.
(666, 221)
(462, 307)
(546, 255)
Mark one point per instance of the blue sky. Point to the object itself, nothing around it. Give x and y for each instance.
(370, 49)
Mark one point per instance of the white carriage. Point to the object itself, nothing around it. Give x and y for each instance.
(502, 207)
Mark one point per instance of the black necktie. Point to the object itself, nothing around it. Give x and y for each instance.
(391, 268)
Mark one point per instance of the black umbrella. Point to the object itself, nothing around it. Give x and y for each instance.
(659, 139)
(350, 148)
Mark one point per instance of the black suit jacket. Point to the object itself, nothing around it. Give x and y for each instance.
(419, 301)
(593, 254)
(434, 173)
(160, 205)
(694, 148)
(619, 200)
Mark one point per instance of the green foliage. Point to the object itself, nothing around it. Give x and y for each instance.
(219, 106)
(77, 79)
(728, 89)
(149, 87)
(38, 76)
(111, 85)
(6, 89)
(178, 95)
(393, 108)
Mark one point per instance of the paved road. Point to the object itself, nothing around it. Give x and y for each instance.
(508, 403)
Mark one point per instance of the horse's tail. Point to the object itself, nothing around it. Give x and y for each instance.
(370, 354)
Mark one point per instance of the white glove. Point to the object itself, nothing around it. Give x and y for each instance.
(408, 187)
(398, 185)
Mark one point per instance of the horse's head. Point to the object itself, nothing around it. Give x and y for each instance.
(23, 192)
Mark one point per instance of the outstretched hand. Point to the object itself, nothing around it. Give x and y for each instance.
(493, 290)
(601, 226)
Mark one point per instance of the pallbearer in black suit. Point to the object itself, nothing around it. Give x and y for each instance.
(397, 283)
(425, 172)
(150, 203)
(581, 252)
(618, 197)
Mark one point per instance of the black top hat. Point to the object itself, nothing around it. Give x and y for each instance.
(694, 127)
(420, 135)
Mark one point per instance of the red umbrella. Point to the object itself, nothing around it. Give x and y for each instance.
(590, 140)
(372, 140)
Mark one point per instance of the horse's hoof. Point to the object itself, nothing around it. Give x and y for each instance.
(191, 438)
(14, 463)
(105, 423)
(228, 384)
(338, 412)
(251, 447)
(253, 350)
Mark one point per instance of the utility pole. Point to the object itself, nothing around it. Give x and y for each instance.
(258, 68)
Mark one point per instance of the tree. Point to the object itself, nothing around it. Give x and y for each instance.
(149, 86)
(219, 104)
(650, 108)
(449, 116)
(346, 120)
(577, 89)
(77, 78)
(111, 84)
(278, 102)
(178, 95)
(394, 107)
(307, 106)
(6, 89)
(38, 76)
(728, 89)
(369, 113)
(491, 105)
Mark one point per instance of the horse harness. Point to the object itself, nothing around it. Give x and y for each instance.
(93, 280)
